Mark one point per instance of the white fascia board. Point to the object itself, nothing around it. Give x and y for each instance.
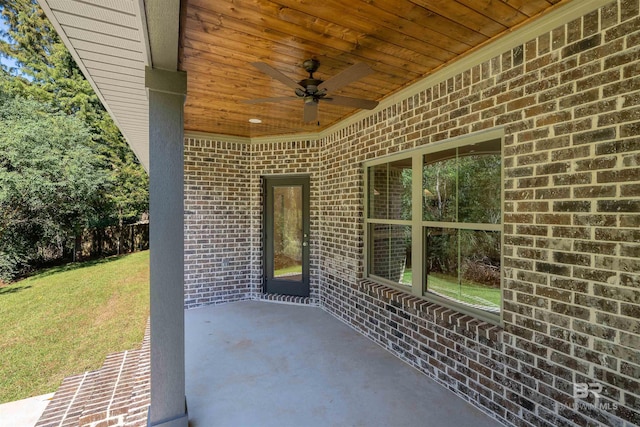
(135, 133)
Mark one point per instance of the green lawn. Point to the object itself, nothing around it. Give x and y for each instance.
(468, 292)
(65, 320)
(407, 277)
(288, 270)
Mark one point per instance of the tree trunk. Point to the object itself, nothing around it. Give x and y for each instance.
(77, 247)
(120, 231)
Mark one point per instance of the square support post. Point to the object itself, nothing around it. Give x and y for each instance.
(166, 93)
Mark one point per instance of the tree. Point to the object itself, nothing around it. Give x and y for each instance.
(49, 181)
(46, 72)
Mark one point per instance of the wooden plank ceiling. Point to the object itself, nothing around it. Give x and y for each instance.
(401, 40)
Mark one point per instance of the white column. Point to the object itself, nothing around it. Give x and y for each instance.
(166, 91)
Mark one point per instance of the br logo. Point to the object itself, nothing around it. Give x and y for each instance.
(582, 390)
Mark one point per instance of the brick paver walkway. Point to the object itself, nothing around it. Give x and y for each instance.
(115, 395)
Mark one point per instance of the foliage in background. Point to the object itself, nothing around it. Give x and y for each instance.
(463, 189)
(66, 320)
(46, 74)
(50, 182)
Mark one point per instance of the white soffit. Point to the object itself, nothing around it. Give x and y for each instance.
(108, 40)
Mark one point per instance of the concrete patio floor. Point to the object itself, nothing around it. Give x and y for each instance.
(261, 364)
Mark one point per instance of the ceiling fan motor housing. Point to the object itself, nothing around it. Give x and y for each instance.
(310, 85)
(311, 65)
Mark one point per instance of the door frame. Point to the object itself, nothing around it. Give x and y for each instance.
(270, 284)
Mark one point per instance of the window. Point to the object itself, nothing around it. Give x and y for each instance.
(461, 213)
(389, 190)
(439, 237)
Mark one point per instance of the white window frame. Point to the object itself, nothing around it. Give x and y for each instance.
(418, 287)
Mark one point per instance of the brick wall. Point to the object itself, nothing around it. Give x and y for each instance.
(223, 215)
(569, 104)
(218, 222)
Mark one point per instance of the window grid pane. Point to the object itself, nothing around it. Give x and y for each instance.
(439, 180)
(464, 266)
(389, 190)
(391, 252)
(378, 200)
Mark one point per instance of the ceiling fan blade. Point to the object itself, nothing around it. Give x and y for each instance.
(352, 102)
(274, 99)
(272, 72)
(351, 74)
(310, 111)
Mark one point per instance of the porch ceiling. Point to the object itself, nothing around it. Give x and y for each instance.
(402, 41)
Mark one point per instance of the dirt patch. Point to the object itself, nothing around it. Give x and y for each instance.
(108, 312)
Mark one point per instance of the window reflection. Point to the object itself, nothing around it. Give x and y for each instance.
(287, 232)
(463, 184)
(442, 261)
(390, 190)
(464, 265)
(460, 248)
(391, 252)
(378, 197)
(480, 268)
(479, 188)
(439, 186)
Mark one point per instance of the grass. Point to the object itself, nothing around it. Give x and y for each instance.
(407, 277)
(288, 270)
(65, 320)
(468, 292)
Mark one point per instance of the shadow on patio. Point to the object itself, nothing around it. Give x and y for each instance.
(264, 364)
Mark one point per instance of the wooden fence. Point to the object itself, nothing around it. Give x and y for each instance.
(99, 242)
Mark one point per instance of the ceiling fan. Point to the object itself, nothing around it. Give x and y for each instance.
(313, 90)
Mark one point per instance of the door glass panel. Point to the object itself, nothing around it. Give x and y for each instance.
(288, 235)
